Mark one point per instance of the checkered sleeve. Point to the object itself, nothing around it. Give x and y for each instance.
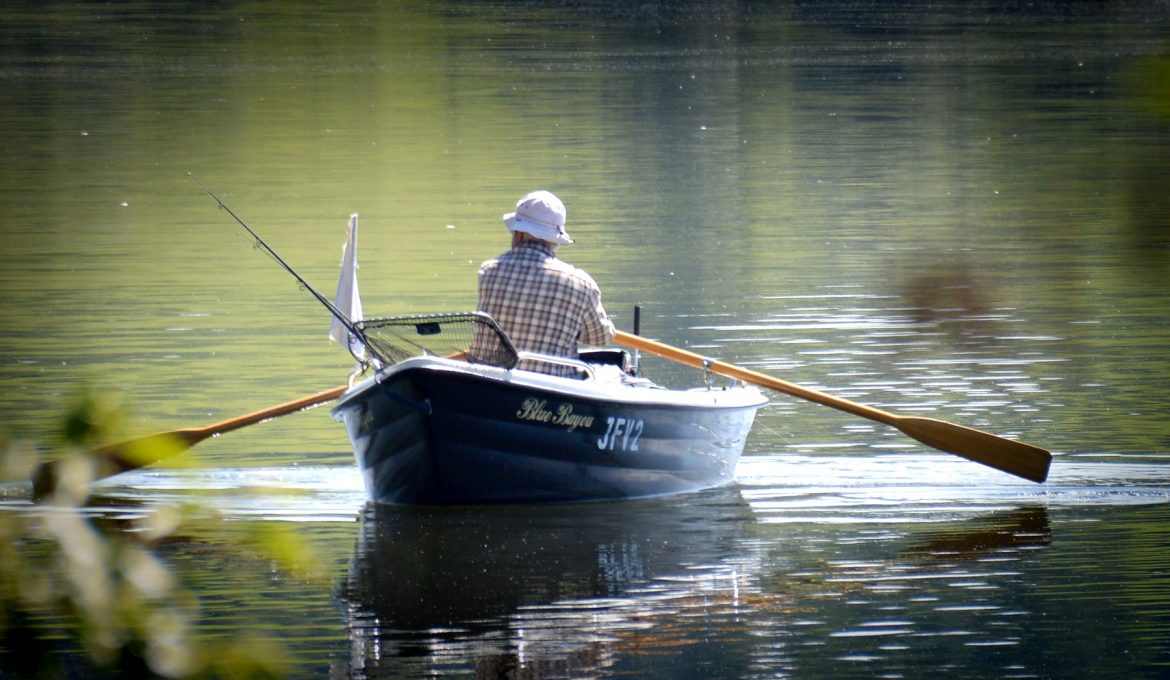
(597, 329)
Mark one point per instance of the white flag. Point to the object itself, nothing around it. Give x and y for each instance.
(348, 301)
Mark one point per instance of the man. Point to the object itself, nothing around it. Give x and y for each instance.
(544, 304)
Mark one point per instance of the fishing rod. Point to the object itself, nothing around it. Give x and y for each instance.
(260, 243)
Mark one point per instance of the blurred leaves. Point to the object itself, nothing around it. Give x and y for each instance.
(94, 418)
(81, 591)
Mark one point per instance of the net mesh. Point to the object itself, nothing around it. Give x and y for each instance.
(471, 335)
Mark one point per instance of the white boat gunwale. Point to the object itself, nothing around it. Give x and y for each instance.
(613, 391)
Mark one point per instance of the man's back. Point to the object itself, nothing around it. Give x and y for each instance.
(544, 304)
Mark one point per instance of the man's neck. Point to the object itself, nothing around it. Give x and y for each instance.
(520, 239)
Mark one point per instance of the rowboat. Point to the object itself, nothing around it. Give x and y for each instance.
(450, 416)
(438, 424)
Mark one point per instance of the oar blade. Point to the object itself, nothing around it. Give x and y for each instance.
(136, 453)
(1011, 456)
(151, 449)
(112, 459)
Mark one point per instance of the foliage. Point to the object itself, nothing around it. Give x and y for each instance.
(80, 594)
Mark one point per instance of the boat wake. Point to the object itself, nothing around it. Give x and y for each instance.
(782, 487)
(929, 487)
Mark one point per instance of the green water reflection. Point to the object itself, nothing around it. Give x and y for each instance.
(715, 159)
(708, 585)
(952, 209)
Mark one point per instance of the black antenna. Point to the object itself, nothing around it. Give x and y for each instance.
(337, 313)
(637, 331)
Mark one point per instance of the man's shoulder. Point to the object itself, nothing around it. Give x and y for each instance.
(493, 262)
(525, 258)
(572, 272)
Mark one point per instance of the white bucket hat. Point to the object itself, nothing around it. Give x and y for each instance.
(540, 214)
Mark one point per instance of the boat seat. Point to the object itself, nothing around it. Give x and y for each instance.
(607, 357)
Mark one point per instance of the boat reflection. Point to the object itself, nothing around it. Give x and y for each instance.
(671, 584)
(522, 587)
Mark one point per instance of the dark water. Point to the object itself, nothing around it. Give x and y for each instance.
(957, 210)
(902, 565)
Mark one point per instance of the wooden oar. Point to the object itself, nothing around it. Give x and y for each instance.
(1008, 455)
(136, 453)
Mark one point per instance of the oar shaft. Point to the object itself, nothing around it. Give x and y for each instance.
(723, 368)
(1017, 458)
(272, 412)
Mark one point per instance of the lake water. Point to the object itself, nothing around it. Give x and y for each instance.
(960, 210)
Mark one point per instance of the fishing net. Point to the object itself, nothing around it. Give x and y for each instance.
(471, 335)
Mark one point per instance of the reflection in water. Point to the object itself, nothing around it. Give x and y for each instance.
(1147, 185)
(862, 566)
(687, 587)
(762, 181)
(939, 288)
(1008, 530)
(493, 585)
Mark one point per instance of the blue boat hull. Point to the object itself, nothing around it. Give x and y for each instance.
(433, 433)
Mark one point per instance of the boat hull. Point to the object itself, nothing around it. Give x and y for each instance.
(434, 431)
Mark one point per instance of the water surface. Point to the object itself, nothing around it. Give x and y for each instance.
(952, 210)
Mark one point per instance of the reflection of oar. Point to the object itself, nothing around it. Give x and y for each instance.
(1017, 458)
(131, 455)
(1019, 528)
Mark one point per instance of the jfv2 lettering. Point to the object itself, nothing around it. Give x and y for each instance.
(621, 433)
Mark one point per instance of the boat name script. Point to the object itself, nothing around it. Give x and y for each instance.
(537, 410)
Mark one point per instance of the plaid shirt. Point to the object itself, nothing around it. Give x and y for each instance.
(544, 304)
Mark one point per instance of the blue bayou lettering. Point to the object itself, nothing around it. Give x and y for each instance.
(566, 417)
(533, 409)
(537, 410)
